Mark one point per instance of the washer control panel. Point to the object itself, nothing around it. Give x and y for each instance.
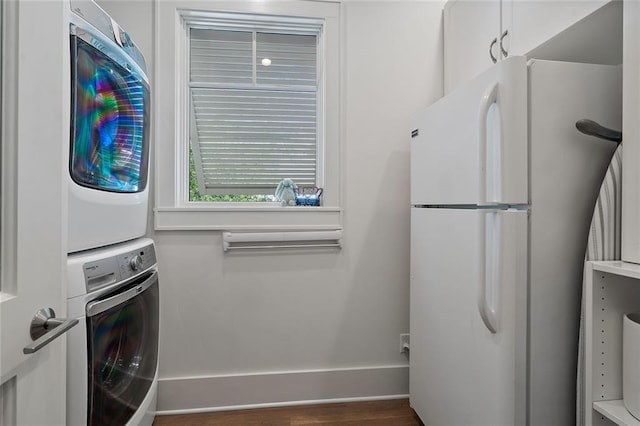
(120, 267)
(136, 261)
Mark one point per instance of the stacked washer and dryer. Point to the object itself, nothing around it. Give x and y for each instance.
(112, 270)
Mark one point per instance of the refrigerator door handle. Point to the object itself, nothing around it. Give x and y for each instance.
(489, 268)
(490, 97)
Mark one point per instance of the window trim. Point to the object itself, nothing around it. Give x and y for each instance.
(172, 210)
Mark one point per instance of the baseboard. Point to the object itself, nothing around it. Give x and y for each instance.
(229, 392)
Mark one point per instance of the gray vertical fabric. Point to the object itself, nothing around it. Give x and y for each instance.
(603, 244)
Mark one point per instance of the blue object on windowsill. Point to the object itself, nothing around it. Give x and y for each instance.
(308, 196)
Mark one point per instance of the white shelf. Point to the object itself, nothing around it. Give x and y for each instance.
(612, 288)
(616, 267)
(616, 412)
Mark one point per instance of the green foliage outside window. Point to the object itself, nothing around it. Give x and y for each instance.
(194, 193)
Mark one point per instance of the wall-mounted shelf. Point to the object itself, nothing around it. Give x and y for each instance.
(612, 290)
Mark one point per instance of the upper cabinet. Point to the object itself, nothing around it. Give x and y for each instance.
(471, 34)
(479, 32)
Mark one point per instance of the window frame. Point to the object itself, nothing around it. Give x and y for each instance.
(172, 209)
(222, 21)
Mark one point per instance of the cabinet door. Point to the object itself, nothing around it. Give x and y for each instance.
(532, 22)
(469, 28)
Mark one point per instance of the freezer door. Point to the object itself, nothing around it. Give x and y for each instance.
(468, 316)
(470, 147)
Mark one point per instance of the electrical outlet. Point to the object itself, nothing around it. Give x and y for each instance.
(404, 343)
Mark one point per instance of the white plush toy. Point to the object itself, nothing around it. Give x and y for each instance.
(285, 192)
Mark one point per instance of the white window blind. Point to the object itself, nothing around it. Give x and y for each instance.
(254, 109)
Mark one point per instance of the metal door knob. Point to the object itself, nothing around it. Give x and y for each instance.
(45, 327)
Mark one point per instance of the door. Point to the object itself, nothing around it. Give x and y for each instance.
(468, 316)
(470, 28)
(470, 147)
(122, 331)
(110, 138)
(35, 135)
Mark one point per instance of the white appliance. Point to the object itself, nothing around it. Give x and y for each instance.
(109, 147)
(112, 355)
(502, 191)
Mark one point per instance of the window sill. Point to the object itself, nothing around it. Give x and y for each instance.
(230, 218)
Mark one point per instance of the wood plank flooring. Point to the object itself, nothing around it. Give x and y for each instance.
(371, 413)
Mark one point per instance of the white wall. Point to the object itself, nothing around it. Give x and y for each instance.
(267, 328)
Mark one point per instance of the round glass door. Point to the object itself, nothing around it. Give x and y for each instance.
(110, 122)
(123, 354)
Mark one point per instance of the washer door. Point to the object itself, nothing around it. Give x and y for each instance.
(122, 337)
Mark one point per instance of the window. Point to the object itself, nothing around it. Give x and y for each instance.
(254, 100)
(244, 98)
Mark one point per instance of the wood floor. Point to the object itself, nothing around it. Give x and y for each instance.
(370, 413)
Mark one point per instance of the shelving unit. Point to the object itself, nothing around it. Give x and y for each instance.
(615, 412)
(612, 290)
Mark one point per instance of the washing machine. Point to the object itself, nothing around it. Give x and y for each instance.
(112, 355)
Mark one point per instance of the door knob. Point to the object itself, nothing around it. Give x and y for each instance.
(45, 327)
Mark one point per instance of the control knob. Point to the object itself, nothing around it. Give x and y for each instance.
(136, 263)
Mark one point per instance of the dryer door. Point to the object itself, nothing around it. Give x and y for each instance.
(110, 120)
(122, 335)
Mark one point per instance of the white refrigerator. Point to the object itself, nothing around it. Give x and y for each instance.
(502, 192)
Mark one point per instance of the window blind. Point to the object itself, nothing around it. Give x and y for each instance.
(253, 110)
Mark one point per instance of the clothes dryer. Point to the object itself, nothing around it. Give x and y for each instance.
(109, 146)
